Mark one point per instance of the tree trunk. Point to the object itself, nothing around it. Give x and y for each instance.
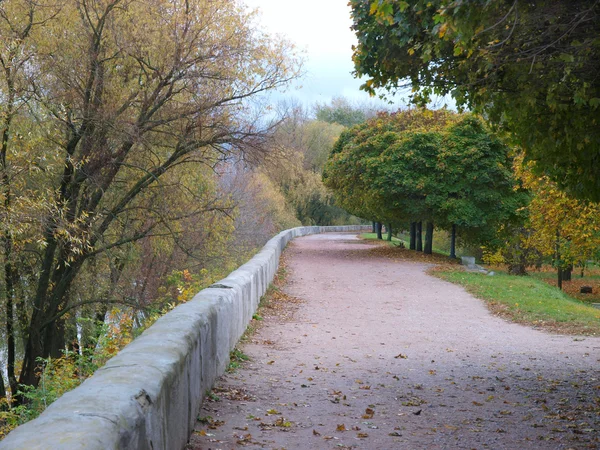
(558, 261)
(11, 275)
(567, 273)
(379, 227)
(374, 227)
(413, 235)
(517, 269)
(2, 392)
(46, 327)
(428, 249)
(453, 242)
(419, 236)
(560, 278)
(389, 232)
(10, 279)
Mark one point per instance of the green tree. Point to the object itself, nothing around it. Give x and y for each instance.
(530, 67)
(365, 185)
(453, 173)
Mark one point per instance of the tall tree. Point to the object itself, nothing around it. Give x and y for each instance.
(452, 172)
(561, 227)
(530, 67)
(123, 96)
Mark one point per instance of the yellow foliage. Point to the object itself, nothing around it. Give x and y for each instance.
(560, 223)
(493, 257)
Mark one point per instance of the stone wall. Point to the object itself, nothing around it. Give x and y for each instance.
(148, 395)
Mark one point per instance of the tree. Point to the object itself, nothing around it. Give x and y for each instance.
(477, 190)
(301, 146)
(123, 99)
(424, 166)
(529, 67)
(343, 112)
(355, 169)
(566, 229)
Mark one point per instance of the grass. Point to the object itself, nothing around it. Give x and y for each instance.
(528, 300)
(572, 288)
(395, 241)
(236, 358)
(404, 239)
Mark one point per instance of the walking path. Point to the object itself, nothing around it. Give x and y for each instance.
(379, 355)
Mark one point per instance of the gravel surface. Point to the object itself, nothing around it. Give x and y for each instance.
(379, 355)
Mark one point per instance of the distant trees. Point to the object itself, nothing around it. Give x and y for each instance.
(343, 112)
(431, 167)
(113, 113)
(562, 228)
(299, 150)
(530, 67)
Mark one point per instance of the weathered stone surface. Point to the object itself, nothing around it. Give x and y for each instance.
(467, 260)
(148, 395)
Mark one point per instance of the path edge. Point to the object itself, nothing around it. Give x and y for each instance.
(149, 394)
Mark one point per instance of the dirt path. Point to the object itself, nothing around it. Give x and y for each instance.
(379, 355)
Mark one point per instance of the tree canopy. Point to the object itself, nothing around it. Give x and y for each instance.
(530, 67)
(422, 165)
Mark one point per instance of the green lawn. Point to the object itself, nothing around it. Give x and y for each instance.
(528, 300)
(395, 240)
(404, 238)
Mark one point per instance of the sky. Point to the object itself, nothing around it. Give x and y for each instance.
(320, 28)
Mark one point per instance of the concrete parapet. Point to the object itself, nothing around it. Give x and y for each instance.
(148, 395)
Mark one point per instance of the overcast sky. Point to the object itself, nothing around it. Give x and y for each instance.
(321, 28)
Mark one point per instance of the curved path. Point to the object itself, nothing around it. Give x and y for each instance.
(379, 355)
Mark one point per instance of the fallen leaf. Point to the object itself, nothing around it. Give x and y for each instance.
(244, 439)
(281, 422)
(341, 427)
(362, 435)
(369, 413)
(316, 433)
(400, 356)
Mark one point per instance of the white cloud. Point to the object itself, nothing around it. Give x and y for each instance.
(320, 28)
